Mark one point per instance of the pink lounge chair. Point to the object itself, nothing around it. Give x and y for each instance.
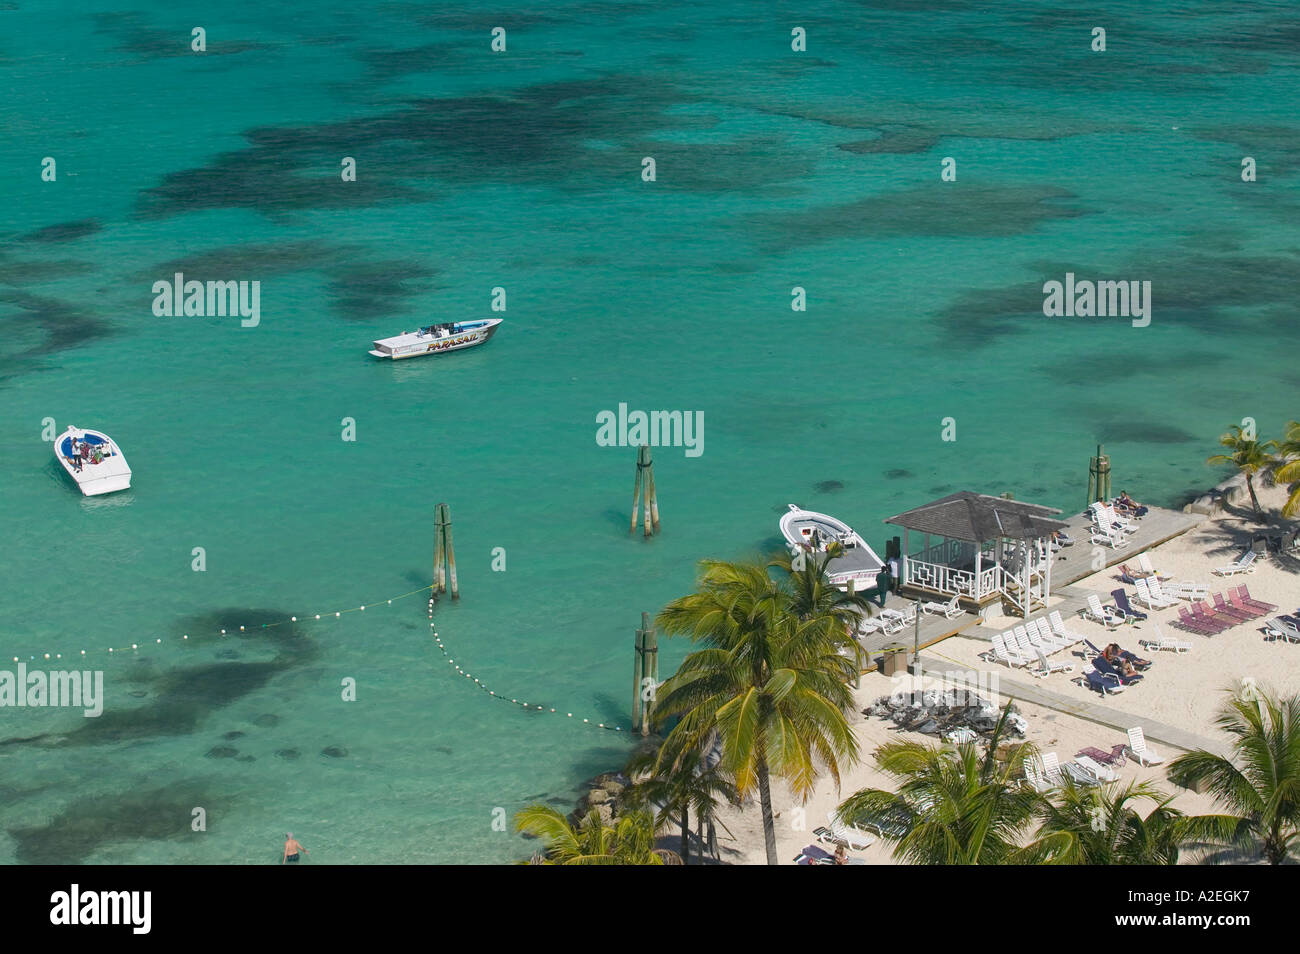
(1244, 593)
(1240, 612)
(1204, 610)
(1114, 758)
(1203, 626)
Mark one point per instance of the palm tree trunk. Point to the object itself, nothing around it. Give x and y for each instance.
(1274, 849)
(686, 835)
(1250, 485)
(765, 798)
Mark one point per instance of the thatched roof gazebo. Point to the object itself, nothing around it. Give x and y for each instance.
(990, 550)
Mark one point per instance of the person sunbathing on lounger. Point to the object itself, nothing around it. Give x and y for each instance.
(1127, 664)
(1122, 665)
(1128, 505)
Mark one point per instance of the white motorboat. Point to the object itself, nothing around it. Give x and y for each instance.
(93, 460)
(808, 532)
(435, 339)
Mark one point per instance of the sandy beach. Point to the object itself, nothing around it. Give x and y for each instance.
(1185, 690)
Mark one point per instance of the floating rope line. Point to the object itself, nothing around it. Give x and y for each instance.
(332, 614)
(495, 695)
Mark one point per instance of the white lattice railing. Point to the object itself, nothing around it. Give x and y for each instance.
(944, 579)
(990, 581)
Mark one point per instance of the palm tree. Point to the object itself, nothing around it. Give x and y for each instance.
(769, 683)
(1288, 467)
(814, 598)
(1099, 826)
(954, 806)
(629, 841)
(679, 783)
(1260, 783)
(1248, 456)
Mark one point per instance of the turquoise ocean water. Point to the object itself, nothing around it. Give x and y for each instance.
(522, 169)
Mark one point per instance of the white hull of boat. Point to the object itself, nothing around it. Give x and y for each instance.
(109, 475)
(437, 339)
(809, 532)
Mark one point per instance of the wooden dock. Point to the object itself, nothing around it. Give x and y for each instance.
(1074, 563)
(1070, 565)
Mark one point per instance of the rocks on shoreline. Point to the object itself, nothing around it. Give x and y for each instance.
(601, 793)
(941, 712)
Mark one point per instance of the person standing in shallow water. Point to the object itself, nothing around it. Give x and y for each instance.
(291, 848)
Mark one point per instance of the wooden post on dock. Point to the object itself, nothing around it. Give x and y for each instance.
(646, 675)
(645, 482)
(1099, 477)
(444, 555)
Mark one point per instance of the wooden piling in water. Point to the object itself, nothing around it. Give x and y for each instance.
(645, 675)
(636, 495)
(1099, 477)
(653, 496)
(439, 554)
(645, 484)
(444, 555)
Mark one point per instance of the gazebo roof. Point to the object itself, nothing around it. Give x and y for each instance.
(976, 518)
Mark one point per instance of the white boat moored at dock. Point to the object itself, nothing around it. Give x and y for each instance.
(93, 461)
(435, 339)
(810, 532)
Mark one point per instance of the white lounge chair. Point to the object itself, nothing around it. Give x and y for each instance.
(1111, 537)
(1151, 600)
(1029, 643)
(1050, 769)
(1161, 641)
(1035, 779)
(1059, 628)
(1282, 628)
(896, 620)
(1080, 774)
(891, 622)
(1049, 667)
(1045, 630)
(1051, 642)
(1183, 590)
(1138, 748)
(1107, 516)
(1144, 561)
(1099, 614)
(1009, 657)
(1244, 564)
(869, 624)
(854, 838)
(1099, 772)
(950, 609)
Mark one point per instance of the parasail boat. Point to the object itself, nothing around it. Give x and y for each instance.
(93, 460)
(809, 532)
(435, 339)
